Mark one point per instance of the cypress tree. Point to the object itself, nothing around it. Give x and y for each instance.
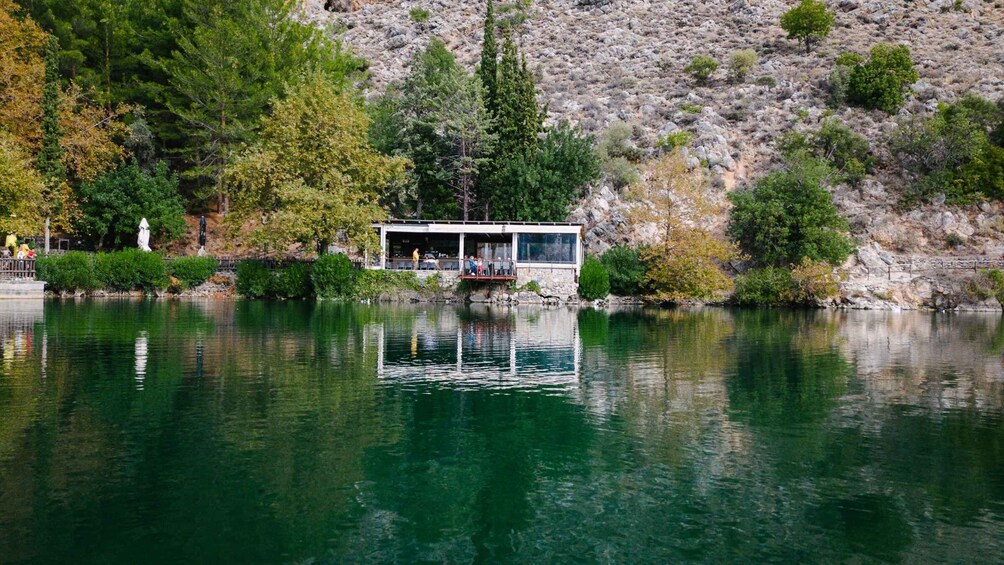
(50, 158)
(519, 119)
(488, 70)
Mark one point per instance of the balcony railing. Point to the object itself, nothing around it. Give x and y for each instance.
(17, 269)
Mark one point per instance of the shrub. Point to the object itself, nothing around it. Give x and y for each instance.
(809, 22)
(701, 67)
(625, 269)
(676, 139)
(370, 284)
(131, 269)
(68, 272)
(419, 15)
(615, 152)
(952, 151)
(767, 80)
(594, 281)
(769, 286)
(254, 280)
(691, 273)
(879, 83)
(113, 205)
(192, 271)
(815, 281)
(847, 152)
(741, 63)
(292, 281)
(789, 215)
(334, 276)
(689, 108)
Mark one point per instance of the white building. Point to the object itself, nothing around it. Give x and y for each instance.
(548, 253)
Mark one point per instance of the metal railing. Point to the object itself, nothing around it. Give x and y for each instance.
(17, 269)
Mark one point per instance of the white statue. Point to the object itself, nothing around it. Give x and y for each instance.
(143, 241)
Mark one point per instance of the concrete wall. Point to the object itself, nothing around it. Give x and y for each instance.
(553, 281)
(18, 289)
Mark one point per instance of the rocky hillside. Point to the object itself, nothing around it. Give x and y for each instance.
(622, 60)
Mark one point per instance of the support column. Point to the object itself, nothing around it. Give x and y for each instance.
(383, 247)
(515, 241)
(460, 254)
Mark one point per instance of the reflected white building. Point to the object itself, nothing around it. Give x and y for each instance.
(501, 348)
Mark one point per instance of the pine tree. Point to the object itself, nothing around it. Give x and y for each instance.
(50, 157)
(488, 71)
(519, 119)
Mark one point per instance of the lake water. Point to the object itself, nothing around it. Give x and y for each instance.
(188, 432)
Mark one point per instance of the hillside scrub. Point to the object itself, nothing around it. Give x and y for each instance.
(848, 153)
(953, 152)
(701, 68)
(741, 63)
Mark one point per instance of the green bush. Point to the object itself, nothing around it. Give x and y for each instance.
(131, 269)
(68, 272)
(620, 172)
(625, 269)
(254, 280)
(334, 276)
(419, 15)
(113, 205)
(767, 80)
(880, 82)
(809, 22)
(292, 281)
(370, 284)
(953, 152)
(789, 215)
(676, 139)
(594, 281)
(192, 271)
(741, 63)
(701, 67)
(769, 286)
(847, 152)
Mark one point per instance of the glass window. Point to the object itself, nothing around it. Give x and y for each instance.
(546, 248)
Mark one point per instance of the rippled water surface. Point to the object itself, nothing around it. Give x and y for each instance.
(167, 432)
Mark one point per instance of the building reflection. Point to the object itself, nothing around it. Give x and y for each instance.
(483, 347)
(18, 337)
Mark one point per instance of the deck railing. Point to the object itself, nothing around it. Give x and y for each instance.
(12, 268)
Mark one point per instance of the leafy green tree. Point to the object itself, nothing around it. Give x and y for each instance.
(542, 186)
(809, 22)
(467, 125)
(626, 270)
(113, 205)
(233, 58)
(952, 151)
(880, 82)
(312, 176)
(789, 215)
(594, 281)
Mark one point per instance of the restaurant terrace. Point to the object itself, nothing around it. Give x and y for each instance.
(490, 251)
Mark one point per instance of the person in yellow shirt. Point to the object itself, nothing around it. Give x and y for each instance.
(11, 242)
(414, 258)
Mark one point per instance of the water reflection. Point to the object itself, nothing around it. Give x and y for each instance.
(293, 432)
(480, 347)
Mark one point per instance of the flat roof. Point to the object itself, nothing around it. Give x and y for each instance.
(476, 223)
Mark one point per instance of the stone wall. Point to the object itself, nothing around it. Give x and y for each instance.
(554, 281)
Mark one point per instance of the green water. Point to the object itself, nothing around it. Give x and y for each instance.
(141, 432)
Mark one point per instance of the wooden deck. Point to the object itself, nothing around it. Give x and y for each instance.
(488, 278)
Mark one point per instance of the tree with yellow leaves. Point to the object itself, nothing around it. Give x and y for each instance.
(685, 260)
(312, 176)
(21, 189)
